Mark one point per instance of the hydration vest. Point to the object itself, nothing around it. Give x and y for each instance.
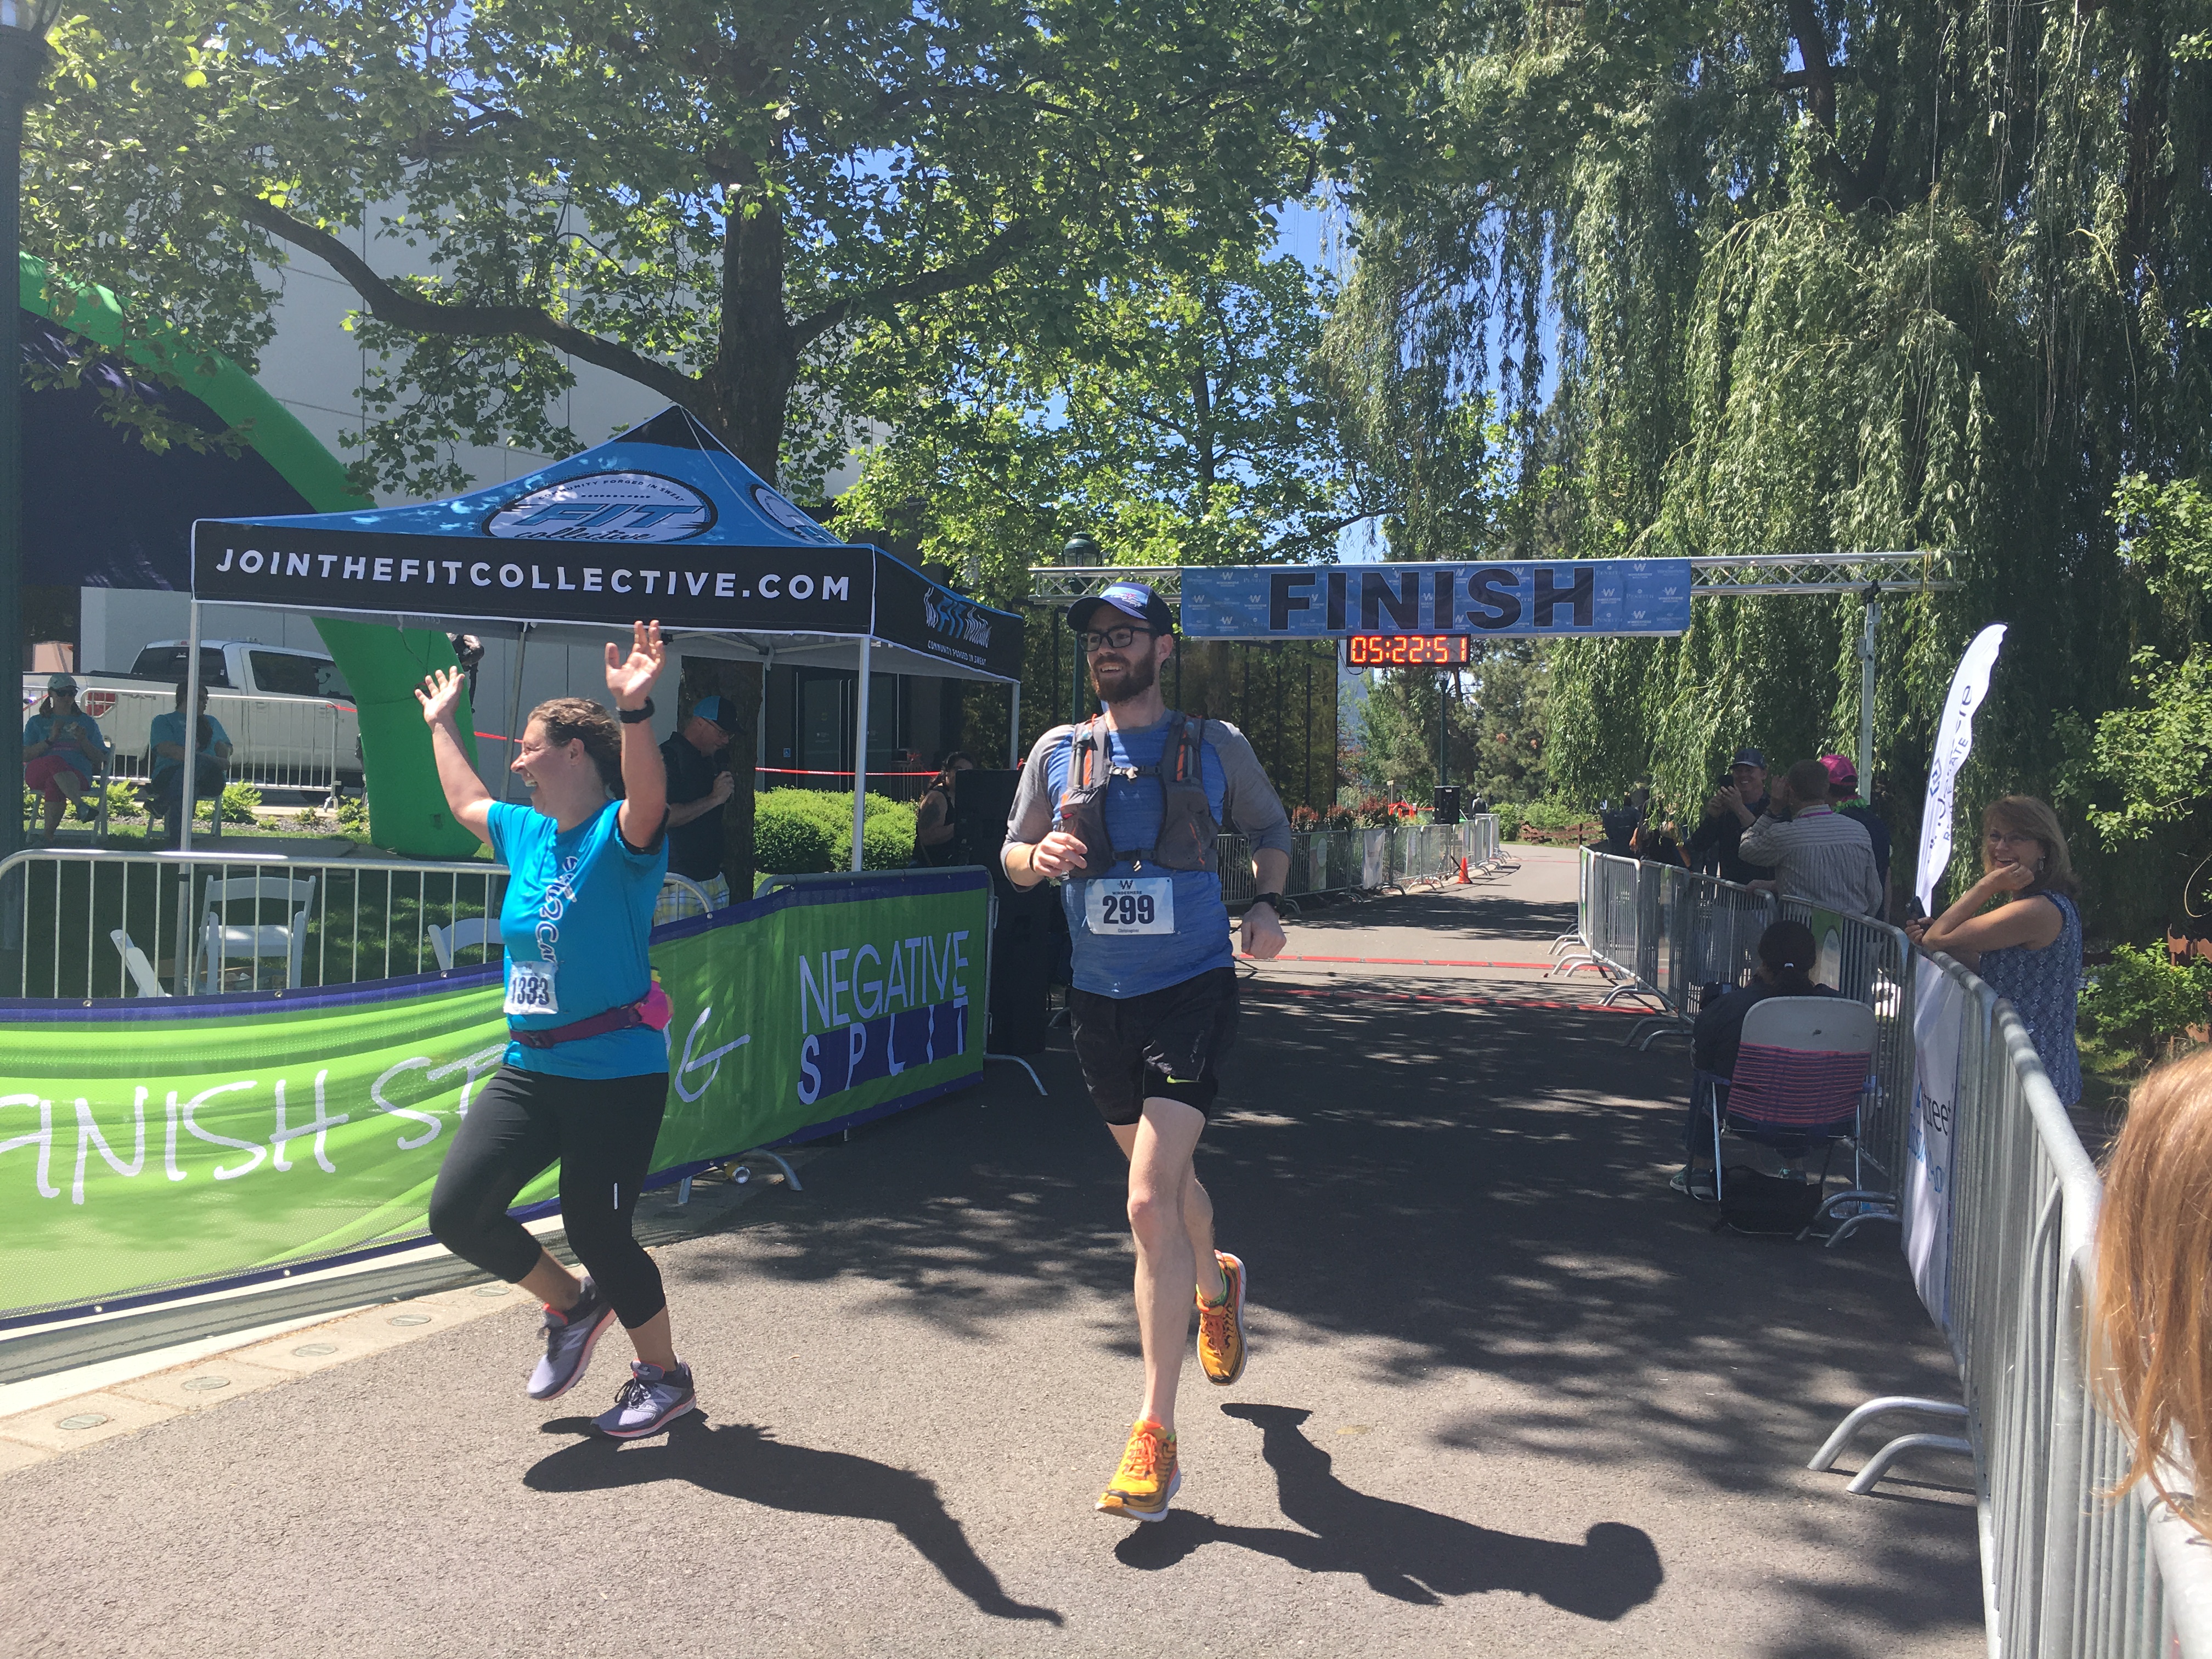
(1188, 826)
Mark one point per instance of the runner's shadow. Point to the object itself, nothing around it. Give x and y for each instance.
(741, 1460)
(1409, 1554)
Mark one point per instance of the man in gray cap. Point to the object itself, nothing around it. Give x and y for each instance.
(1124, 810)
(1735, 807)
(699, 781)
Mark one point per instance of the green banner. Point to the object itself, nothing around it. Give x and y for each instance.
(146, 1144)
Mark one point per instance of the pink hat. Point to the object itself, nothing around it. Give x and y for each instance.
(1841, 769)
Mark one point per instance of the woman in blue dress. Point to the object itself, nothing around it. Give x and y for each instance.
(586, 1076)
(2028, 948)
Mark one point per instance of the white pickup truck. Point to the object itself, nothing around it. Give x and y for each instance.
(288, 713)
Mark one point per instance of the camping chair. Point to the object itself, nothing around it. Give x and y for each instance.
(449, 942)
(223, 941)
(135, 964)
(1802, 1073)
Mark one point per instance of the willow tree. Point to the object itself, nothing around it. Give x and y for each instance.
(1815, 276)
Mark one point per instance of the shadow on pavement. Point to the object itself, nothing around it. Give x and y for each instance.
(1407, 1554)
(745, 1462)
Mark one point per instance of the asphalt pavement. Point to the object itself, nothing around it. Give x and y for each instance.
(1508, 1394)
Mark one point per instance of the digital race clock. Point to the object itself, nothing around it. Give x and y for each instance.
(1408, 650)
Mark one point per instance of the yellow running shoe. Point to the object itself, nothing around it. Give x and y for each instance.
(1221, 1326)
(1148, 1476)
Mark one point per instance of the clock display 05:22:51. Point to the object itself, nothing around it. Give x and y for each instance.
(1408, 650)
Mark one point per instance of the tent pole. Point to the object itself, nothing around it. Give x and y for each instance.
(181, 975)
(860, 756)
(514, 710)
(1014, 725)
(760, 719)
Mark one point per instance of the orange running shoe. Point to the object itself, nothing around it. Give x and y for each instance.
(1148, 1476)
(1221, 1326)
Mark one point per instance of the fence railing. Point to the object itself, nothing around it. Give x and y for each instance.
(1352, 860)
(2067, 1573)
(276, 742)
(78, 924)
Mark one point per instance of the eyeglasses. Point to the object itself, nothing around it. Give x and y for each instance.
(1114, 639)
(2012, 838)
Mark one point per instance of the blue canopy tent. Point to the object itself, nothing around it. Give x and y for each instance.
(661, 522)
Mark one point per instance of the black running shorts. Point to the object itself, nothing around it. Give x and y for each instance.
(1165, 1045)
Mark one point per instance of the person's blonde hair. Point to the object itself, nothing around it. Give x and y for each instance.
(2024, 814)
(2151, 1326)
(579, 719)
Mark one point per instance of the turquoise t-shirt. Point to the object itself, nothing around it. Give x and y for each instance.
(83, 738)
(578, 912)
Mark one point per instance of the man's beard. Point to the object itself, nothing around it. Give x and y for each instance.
(1138, 677)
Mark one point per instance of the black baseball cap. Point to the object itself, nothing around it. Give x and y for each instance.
(1749, 756)
(1132, 600)
(720, 710)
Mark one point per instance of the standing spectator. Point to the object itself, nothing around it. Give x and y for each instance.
(212, 758)
(697, 759)
(932, 815)
(1819, 855)
(1735, 807)
(1655, 842)
(1843, 796)
(63, 751)
(2028, 948)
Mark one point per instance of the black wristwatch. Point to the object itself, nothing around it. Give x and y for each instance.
(1273, 901)
(635, 716)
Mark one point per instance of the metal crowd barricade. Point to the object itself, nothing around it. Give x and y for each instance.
(73, 921)
(278, 743)
(2066, 1571)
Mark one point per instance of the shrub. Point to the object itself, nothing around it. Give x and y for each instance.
(1373, 812)
(2141, 1000)
(1340, 816)
(238, 800)
(1554, 815)
(353, 813)
(122, 802)
(792, 836)
(1305, 818)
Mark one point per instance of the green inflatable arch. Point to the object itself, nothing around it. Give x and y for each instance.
(406, 807)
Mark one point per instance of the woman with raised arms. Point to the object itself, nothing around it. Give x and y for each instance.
(586, 1077)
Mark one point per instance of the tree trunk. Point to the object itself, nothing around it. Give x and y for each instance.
(757, 363)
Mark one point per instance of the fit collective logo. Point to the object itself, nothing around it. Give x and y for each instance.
(605, 506)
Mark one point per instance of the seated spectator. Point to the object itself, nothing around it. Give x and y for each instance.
(1843, 796)
(2152, 1324)
(1735, 805)
(1819, 855)
(63, 751)
(2028, 948)
(1786, 951)
(167, 783)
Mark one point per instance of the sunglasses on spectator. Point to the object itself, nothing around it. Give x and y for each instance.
(1114, 639)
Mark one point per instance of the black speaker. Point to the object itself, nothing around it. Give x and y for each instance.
(1447, 803)
(981, 801)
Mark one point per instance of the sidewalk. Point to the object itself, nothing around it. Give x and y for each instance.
(1508, 1394)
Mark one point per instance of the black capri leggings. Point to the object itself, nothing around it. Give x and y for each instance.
(602, 1131)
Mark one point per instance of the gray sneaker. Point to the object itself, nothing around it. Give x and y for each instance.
(649, 1401)
(569, 1339)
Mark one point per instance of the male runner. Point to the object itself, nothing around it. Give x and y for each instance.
(1125, 807)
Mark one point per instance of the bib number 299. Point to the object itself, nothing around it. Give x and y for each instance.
(1141, 904)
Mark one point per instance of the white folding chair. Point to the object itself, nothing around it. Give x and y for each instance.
(448, 942)
(223, 941)
(135, 964)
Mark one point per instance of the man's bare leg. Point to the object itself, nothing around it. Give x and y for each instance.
(1160, 1146)
(1197, 1221)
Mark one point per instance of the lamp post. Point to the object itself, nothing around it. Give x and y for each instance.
(1077, 550)
(24, 59)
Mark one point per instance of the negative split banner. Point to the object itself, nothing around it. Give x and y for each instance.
(148, 1144)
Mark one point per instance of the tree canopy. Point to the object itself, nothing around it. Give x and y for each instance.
(718, 201)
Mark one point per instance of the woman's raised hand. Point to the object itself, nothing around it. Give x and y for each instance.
(439, 695)
(629, 679)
